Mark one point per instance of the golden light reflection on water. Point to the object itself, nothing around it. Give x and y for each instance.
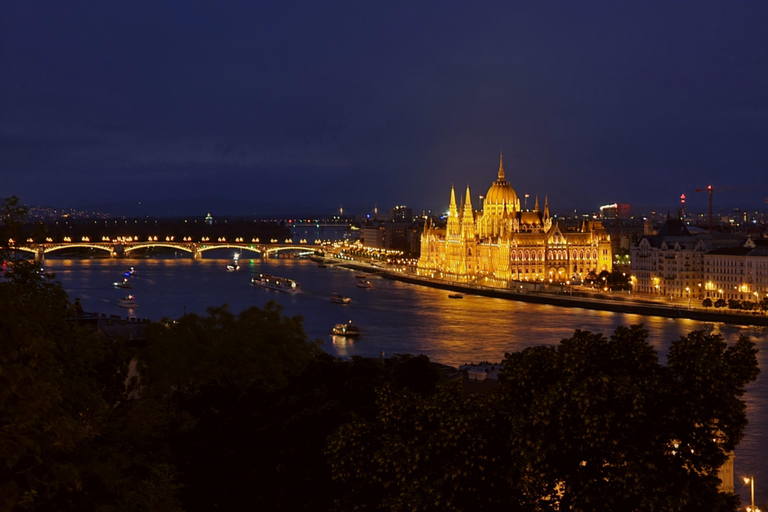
(481, 328)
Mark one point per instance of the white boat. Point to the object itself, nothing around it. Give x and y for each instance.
(129, 301)
(338, 298)
(364, 283)
(349, 330)
(234, 266)
(123, 284)
(281, 284)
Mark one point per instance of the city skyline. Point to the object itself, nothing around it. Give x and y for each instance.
(293, 107)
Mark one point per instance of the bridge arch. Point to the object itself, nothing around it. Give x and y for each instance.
(147, 245)
(305, 248)
(102, 247)
(242, 247)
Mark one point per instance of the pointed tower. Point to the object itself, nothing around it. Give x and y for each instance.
(453, 226)
(468, 219)
(546, 220)
(536, 208)
(467, 264)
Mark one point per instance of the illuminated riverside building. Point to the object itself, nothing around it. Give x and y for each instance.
(504, 242)
(737, 272)
(676, 263)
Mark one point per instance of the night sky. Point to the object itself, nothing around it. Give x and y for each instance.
(184, 107)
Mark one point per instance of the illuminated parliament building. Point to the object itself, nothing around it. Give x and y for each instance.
(504, 242)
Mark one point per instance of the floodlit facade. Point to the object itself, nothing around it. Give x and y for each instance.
(739, 273)
(676, 263)
(504, 242)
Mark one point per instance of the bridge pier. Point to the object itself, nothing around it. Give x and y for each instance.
(118, 251)
(40, 254)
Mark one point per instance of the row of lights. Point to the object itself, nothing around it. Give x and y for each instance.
(152, 238)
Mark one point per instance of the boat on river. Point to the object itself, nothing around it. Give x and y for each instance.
(281, 284)
(123, 284)
(234, 266)
(348, 329)
(364, 283)
(455, 296)
(129, 301)
(338, 298)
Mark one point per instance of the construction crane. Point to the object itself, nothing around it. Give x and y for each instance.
(709, 191)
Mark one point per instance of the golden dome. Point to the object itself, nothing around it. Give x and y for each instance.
(502, 192)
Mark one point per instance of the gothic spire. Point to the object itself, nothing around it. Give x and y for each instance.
(501, 167)
(468, 201)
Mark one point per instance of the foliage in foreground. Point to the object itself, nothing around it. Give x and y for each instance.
(594, 423)
(241, 411)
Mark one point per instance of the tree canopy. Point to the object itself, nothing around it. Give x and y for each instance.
(593, 423)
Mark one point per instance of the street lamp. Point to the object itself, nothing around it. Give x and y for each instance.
(687, 289)
(751, 482)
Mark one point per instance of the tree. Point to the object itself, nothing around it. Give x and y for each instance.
(734, 304)
(441, 452)
(593, 423)
(720, 303)
(258, 347)
(604, 423)
(292, 423)
(707, 303)
(12, 215)
(57, 386)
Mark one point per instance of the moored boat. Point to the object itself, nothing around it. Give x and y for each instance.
(281, 284)
(455, 296)
(338, 298)
(129, 301)
(348, 329)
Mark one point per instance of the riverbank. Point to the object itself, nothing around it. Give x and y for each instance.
(615, 303)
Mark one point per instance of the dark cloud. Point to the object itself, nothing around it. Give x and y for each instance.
(381, 102)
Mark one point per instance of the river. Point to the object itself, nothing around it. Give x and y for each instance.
(395, 318)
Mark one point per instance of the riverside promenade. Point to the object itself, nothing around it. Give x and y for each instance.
(571, 297)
